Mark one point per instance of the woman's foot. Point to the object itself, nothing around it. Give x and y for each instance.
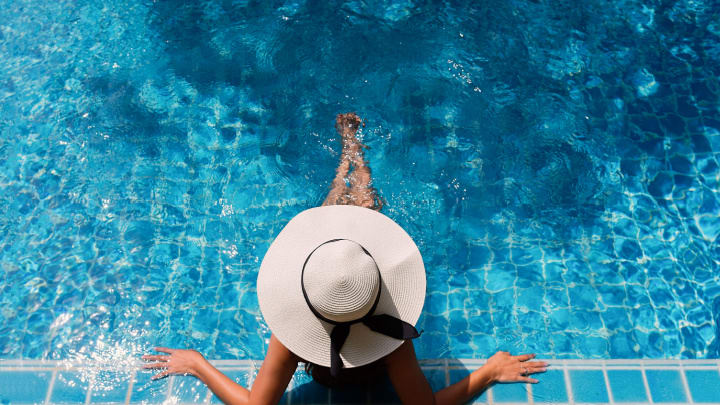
(348, 124)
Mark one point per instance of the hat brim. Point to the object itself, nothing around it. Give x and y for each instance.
(281, 300)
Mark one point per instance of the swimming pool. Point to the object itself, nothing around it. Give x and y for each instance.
(556, 164)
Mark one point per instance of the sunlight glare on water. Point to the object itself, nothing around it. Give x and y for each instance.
(558, 168)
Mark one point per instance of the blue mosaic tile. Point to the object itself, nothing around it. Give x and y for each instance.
(188, 389)
(550, 388)
(24, 387)
(147, 390)
(110, 388)
(704, 385)
(621, 346)
(588, 386)
(627, 385)
(69, 388)
(436, 378)
(665, 386)
(510, 393)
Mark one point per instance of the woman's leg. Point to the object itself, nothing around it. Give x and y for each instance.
(360, 191)
(338, 189)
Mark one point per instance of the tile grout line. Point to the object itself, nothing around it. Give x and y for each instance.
(88, 394)
(645, 383)
(686, 387)
(169, 387)
(529, 393)
(446, 367)
(51, 386)
(611, 397)
(568, 386)
(131, 384)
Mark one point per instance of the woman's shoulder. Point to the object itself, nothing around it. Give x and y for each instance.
(403, 354)
(279, 352)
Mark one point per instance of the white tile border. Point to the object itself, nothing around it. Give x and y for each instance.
(564, 365)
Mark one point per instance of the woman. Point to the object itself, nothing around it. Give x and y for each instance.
(341, 287)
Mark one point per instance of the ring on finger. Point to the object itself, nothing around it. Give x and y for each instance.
(525, 371)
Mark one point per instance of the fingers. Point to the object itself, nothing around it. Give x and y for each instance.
(161, 375)
(156, 357)
(525, 357)
(156, 365)
(536, 364)
(528, 380)
(533, 370)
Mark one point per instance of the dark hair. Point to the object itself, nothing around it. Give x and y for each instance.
(362, 375)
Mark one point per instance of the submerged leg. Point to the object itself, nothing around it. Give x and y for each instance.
(338, 189)
(360, 191)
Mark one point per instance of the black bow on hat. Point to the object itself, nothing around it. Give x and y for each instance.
(384, 324)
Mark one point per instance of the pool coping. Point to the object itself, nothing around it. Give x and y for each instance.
(444, 366)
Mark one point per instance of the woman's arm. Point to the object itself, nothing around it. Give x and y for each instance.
(270, 384)
(501, 367)
(412, 386)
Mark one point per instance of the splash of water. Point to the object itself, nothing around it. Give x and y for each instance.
(104, 364)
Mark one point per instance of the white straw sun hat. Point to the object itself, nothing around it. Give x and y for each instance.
(342, 285)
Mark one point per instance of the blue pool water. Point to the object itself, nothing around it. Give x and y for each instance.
(556, 162)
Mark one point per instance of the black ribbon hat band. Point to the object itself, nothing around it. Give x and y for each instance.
(384, 324)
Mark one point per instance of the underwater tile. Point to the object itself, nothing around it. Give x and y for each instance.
(627, 385)
(588, 386)
(550, 388)
(621, 346)
(704, 385)
(188, 389)
(665, 386)
(23, 387)
(69, 388)
(112, 388)
(436, 378)
(510, 392)
(145, 389)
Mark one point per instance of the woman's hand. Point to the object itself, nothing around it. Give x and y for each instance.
(506, 368)
(177, 361)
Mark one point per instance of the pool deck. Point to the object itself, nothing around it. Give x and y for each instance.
(566, 382)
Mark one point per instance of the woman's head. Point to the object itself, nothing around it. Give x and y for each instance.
(342, 286)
